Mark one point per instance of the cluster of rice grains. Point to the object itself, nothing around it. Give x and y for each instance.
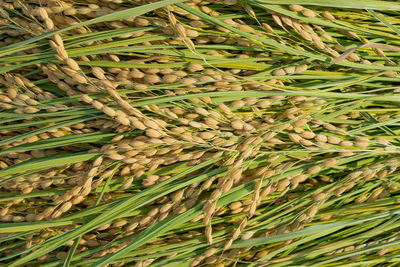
(216, 133)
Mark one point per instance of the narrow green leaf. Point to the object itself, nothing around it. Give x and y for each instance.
(356, 4)
(47, 162)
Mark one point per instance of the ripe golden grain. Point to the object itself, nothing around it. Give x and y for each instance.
(267, 27)
(86, 99)
(209, 252)
(180, 30)
(346, 143)
(247, 235)
(49, 24)
(329, 127)
(109, 111)
(65, 207)
(216, 194)
(300, 122)
(193, 67)
(321, 138)
(122, 120)
(141, 22)
(382, 174)
(170, 78)
(225, 109)
(330, 162)
(317, 42)
(96, 104)
(30, 110)
(72, 64)
(137, 74)
(152, 78)
(283, 184)
(334, 140)
(79, 78)
(319, 196)
(328, 16)
(206, 135)
(151, 124)
(208, 233)
(42, 13)
(295, 137)
(201, 111)
(306, 142)
(312, 211)
(288, 21)
(279, 72)
(308, 135)
(305, 35)
(238, 104)
(314, 169)
(98, 73)
(290, 70)
(237, 125)
(277, 20)
(246, 28)
(296, 8)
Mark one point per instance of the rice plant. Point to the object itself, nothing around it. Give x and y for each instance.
(199, 133)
